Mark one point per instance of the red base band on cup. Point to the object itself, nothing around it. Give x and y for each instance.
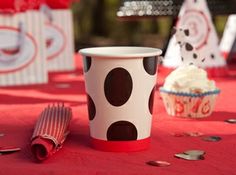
(211, 71)
(120, 146)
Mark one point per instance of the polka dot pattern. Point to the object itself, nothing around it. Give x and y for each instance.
(151, 100)
(212, 56)
(150, 65)
(87, 63)
(188, 47)
(187, 50)
(186, 32)
(118, 86)
(122, 131)
(91, 108)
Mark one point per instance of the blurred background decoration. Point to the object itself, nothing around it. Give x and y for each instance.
(96, 23)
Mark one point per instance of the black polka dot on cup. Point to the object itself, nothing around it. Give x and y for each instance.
(118, 86)
(150, 65)
(87, 63)
(91, 108)
(121, 131)
(151, 100)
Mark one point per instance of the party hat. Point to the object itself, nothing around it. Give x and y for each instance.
(188, 53)
(195, 16)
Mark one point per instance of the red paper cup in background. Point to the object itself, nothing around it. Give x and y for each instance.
(120, 85)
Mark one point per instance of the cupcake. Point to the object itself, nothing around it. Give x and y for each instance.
(187, 92)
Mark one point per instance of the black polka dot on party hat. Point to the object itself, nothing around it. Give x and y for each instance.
(188, 47)
(118, 86)
(186, 32)
(87, 63)
(122, 131)
(151, 100)
(212, 56)
(150, 65)
(195, 56)
(182, 58)
(91, 108)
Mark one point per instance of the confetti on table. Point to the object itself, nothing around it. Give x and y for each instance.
(212, 138)
(191, 155)
(158, 163)
(8, 150)
(187, 134)
(231, 121)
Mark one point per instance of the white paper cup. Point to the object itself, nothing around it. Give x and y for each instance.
(120, 85)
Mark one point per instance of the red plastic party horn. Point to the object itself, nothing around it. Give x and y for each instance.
(50, 131)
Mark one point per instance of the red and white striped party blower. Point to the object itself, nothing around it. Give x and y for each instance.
(50, 131)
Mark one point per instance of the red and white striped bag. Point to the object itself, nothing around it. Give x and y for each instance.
(22, 49)
(59, 35)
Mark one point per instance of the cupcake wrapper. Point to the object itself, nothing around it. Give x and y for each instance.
(215, 92)
(189, 105)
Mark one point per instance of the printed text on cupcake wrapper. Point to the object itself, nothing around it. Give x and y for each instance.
(185, 106)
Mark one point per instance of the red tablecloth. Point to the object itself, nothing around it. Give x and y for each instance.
(20, 107)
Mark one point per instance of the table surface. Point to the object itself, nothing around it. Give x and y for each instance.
(21, 106)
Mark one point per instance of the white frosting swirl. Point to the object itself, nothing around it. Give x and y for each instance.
(189, 79)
